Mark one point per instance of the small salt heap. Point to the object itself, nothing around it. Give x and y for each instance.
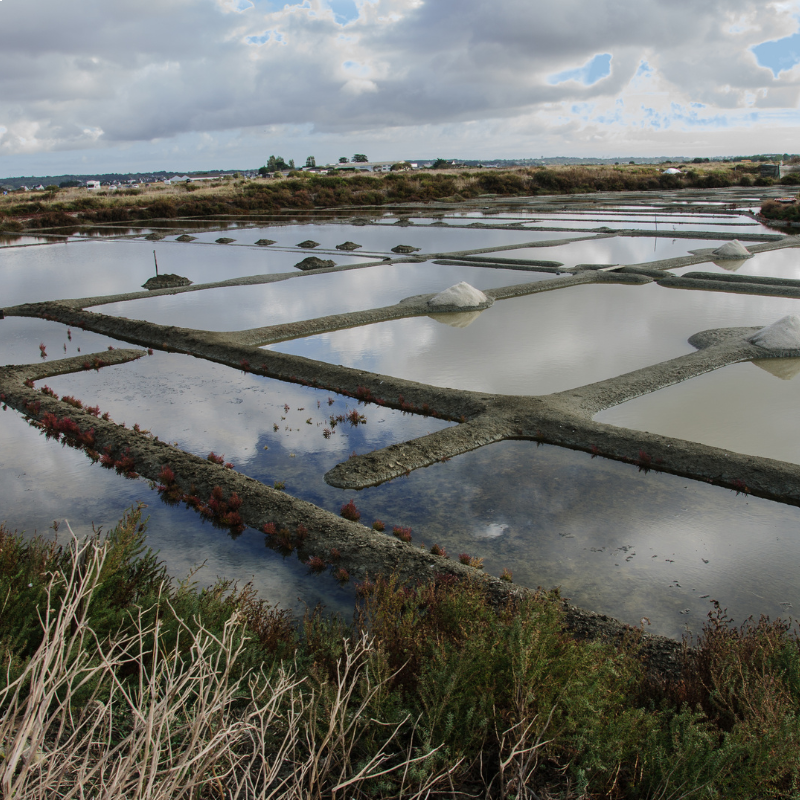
(462, 295)
(781, 335)
(734, 249)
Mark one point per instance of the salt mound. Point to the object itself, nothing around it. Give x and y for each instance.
(781, 335)
(462, 295)
(734, 249)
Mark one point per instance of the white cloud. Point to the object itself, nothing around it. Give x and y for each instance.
(123, 82)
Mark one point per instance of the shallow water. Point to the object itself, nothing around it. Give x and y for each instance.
(613, 250)
(748, 408)
(376, 238)
(307, 297)
(20, 338)
(545, 342)
(617, 541)
(43, 481)
(101, 267)
(783, 263)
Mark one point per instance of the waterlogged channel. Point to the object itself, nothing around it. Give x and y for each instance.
(625, 542)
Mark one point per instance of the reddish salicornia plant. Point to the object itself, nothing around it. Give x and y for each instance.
(42, 350)
(378, 526)
(470, 561)
(645, 461)
(438, 550)
(335, 554)
(341, 575)
(403, 534)
(48, 391)
(269, 528)
(71, 401)
(166, 475)
(740, 486)
(316, 564)
(349, 511)
(214, 458)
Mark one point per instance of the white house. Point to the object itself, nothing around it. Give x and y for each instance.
(92, 184)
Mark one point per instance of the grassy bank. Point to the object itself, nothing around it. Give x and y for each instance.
(119, 682)
(70, 207)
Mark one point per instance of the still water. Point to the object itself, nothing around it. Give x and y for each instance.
(615, 540)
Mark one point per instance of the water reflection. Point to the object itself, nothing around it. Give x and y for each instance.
(783, 263)
(381, 238)
(545, 342)
(240, 307)
(614, 250)
(87, 268)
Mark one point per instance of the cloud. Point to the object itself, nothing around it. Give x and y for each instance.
(124, 81)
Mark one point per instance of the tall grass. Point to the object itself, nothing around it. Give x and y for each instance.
(121, 683)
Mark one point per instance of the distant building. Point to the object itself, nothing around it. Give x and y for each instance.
(92, 184)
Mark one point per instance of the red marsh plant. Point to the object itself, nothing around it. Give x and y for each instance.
(403, 534)
(349, 511)
(316, 564)
(378, 526)
(341, 575)
(215, 459)
(71, 401)
(469, 561)
(438, 550)
(42, 350)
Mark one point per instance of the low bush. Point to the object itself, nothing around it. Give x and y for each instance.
(119, 682)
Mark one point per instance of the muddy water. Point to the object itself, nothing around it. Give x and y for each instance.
(546, 342)
(749, 408)
(240, 307)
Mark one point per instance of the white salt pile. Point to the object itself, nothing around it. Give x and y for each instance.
(734, 249)
(781, 335)
(462, 295)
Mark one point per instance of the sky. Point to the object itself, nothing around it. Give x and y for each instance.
(90, 86)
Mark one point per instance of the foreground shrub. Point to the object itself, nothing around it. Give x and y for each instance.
(120, 683)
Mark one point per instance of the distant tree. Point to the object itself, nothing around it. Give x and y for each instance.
(69, 184)
(344, 160)
(360, 158)
(401, 166)
(311, 162)
(291, 163)
(263, 171)
(276, 164)
(440, 163)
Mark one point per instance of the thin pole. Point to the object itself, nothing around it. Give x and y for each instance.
(156, 260)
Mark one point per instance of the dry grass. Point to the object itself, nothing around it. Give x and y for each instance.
(186, 728)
